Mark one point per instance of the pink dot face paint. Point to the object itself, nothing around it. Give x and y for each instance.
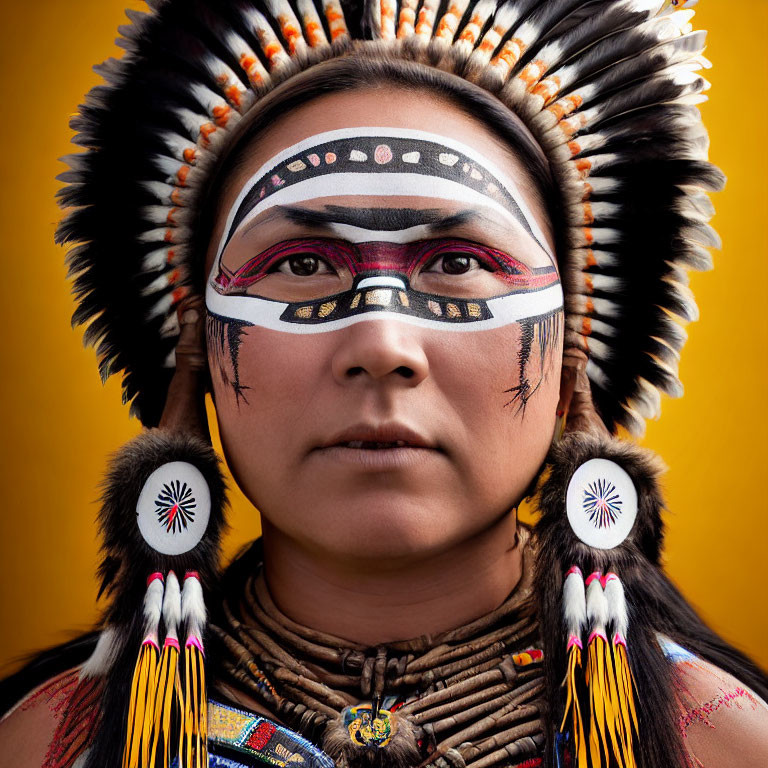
(311, 246)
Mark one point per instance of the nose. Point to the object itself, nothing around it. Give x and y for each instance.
(378, 349)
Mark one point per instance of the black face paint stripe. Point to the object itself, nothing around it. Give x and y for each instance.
(386, 154)
(376, 219)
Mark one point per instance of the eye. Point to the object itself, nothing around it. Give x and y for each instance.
(302, 265)
(455, 264)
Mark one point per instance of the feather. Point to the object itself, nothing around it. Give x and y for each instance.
(574, 603)
(104, 654)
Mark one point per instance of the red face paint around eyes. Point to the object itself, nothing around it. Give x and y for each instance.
(377, 257)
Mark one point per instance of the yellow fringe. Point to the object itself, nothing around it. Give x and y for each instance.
(625, 701)
(140, 709)
(602, 695)
(194, 738)
(572, 706)
(168, 695)
(612, 712)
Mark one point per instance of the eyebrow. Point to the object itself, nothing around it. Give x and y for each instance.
(375, 219)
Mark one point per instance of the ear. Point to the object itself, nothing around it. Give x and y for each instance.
(184, 409)
(576, 396)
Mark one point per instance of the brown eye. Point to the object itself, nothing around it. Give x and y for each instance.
(456, 264)
(304, 265)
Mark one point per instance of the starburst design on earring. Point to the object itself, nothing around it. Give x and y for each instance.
(602, 503)
(175, 506)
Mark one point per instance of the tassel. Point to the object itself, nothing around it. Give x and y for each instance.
(626, 713)
(144, 683)
(193, 749)
(168, 688)
(599, 677)
(575, 618)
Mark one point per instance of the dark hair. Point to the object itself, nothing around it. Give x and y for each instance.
(362, 70)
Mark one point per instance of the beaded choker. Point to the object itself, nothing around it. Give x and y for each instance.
(471, 696)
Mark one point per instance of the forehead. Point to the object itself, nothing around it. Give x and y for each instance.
(385, 107)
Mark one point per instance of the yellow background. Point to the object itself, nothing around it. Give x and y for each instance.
(58, 423)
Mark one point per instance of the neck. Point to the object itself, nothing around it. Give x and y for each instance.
(372, 603)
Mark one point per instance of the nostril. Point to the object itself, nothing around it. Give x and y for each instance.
(355, 371)
(405, 372)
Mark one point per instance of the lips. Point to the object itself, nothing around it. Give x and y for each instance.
(378, 437)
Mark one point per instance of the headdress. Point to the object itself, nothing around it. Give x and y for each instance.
(608, 89)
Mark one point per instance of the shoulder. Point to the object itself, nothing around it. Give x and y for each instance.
(34, 703)
(723, 722)
(27, 730)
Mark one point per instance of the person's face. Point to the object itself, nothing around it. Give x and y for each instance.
(385, 325)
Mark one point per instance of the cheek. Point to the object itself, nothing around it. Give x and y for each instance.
(502, 387)
(263, 398)
(498, 374)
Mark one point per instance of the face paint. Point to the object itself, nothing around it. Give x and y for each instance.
(381, 259)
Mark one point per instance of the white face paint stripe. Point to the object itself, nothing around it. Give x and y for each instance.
(382, 281)
(353, 234)
(384, 133)
(265, 313)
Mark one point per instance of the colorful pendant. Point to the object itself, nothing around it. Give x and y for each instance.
(369, 729)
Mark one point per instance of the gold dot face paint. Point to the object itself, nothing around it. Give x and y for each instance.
(314, 241)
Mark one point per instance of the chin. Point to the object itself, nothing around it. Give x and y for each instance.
(385, 527)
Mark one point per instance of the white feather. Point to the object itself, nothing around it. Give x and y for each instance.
(574, 603)
(160, 309)
(172, 605)
(647, 400)
(192, 121)
(169, 166)
(599, 349)
(153, 607)
(308, 13)
(226, 79)
(579, 303)
(165, 235)
(103, 656)
(193, 612)
(206, 98)
(605, 258)
(256, 72)
(597, 607)
(507, 16)
(600, 162)
(576, 323)
(158, 189)
(170, 327)
(617, 605)
(597, 375)
(157, 214)
(634, 423)
(607, 283)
